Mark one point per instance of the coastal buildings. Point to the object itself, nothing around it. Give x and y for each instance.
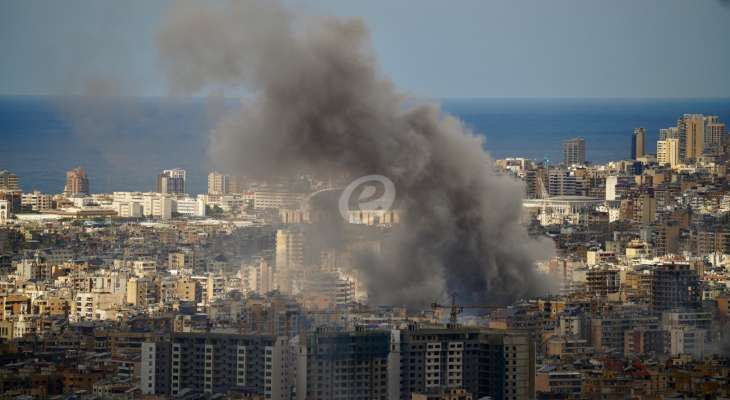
(77, 183)
(171, 181)
(574, 151)
(36, 201)
(698, 135)
(270, 198)
(232, 295)
(9, 182)
(638, 143)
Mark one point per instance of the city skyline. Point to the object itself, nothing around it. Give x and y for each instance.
(261, 199)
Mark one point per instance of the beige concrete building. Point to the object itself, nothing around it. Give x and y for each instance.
(77, 183)
(218, 183)
(699, 134)
(187, 289)
(289, 257)
(36, 201)
(668, 152)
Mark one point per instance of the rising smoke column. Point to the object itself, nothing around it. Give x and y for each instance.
(319, 104)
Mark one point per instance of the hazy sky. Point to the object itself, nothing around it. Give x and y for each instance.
(431, 48)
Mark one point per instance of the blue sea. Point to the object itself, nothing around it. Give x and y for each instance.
(124, 143)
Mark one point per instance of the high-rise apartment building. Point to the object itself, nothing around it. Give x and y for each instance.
(674, 286)
(217, 363)
(9, 182)
(668, 152)
(500, 365)
(343, 365)
(715, 134)
(692, 133)
(536, 183)
(171, 181)
(561, 183)
(349, 365)
(289, 256)
(155, 368)
(77, 183)
(699, 134)
(218, 183)
(638, 143)
(574, 151)
(669, 133)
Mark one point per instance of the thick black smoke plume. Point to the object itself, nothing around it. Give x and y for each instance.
(319, 104)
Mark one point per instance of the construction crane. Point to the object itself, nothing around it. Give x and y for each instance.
(456, 309)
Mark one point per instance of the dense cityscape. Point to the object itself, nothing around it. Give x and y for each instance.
(355, 200)
(228, 294)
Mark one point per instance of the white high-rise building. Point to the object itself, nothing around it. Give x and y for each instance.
(668, 152)
(614, 181)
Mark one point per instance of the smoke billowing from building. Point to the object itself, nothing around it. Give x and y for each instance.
(319, 104)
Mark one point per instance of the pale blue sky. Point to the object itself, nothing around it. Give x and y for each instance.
(431, 48)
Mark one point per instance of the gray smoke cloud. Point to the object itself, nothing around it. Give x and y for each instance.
(319, 104)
